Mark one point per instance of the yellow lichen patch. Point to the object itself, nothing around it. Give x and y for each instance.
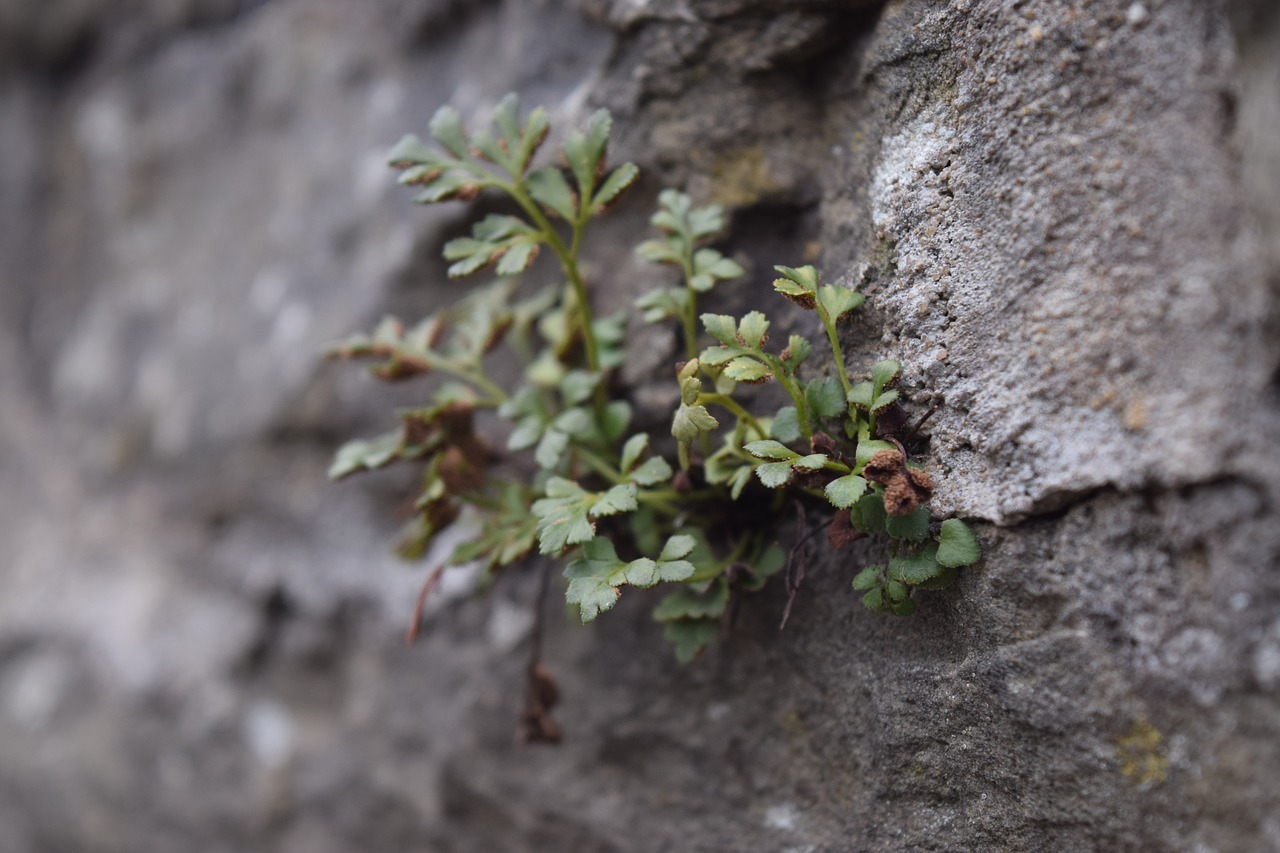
(1135, 415)
(791, 724)
(1141, 756)
(740, 178)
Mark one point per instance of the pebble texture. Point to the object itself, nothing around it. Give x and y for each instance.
(1066, 216)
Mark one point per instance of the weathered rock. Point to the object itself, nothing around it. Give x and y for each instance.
(1064, 215)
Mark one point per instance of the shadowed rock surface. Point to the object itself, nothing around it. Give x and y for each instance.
(1066, 218)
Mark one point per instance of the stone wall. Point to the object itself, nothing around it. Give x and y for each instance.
(1066, 217)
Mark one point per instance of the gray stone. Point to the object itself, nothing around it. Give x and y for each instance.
(1066, 217)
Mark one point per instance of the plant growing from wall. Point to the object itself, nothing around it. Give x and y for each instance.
(576, 483)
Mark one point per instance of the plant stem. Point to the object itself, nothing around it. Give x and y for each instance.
(689, 319)
(735, 408)
(836, 351)
(425, 360)
(797, 395)
(600, 465)
(568, 257)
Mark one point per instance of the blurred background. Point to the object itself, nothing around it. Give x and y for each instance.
(193, 202)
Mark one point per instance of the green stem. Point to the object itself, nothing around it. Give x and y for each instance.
(568, 257)
(426, 360)
(600, 465)
(797, 394)
(689, 318)
(659, 503)
(836, 351)
(735, 408)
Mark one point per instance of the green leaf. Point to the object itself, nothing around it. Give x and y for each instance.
(653, 471)
(772, 561)
(550, 448)
(489, 148)
(589, 579)
(913, 526)
(659, 252)
(867, 578)
(366, 455)
(868, 448)
(577, 422)
(943, 579)
(677, 548)
(884, 372)
(508, 532)
(798, 294)
(445, 187)
(774, 474)
(825, 397)
(906, 607)
(546, 370)
(706, 221)
(739, 481)
(721, 327)
(549, 188)
(410, 151)
(446, 127)
(874, 599)
(868, 513)
(691, 636)
(846, 491)
(632, 451)
(642, 573)
(747, 369)
(594, 577)
(599, 126)
(674, 571)
(611, 333)
(504, 240)
(661, 304)
(578, 385)
(585, 151)
(517, 258)
(769, 449)
(692, 421)
(957, 546)
(862, 394)
(837, 301)
(798, 349)
(883, 401)
(753, 330)
(526, 433)
(685, 603)
(620, 498)
(506, 118)
(535, 131)
(615, 419)
(916, 568)
(618, 181)
(562, 516)
(710, 266)
(812, 462)
(805, 277)
(718, 355)
(785, 425)
(897, 591)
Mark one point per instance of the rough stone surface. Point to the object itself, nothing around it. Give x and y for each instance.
(1066, 216)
